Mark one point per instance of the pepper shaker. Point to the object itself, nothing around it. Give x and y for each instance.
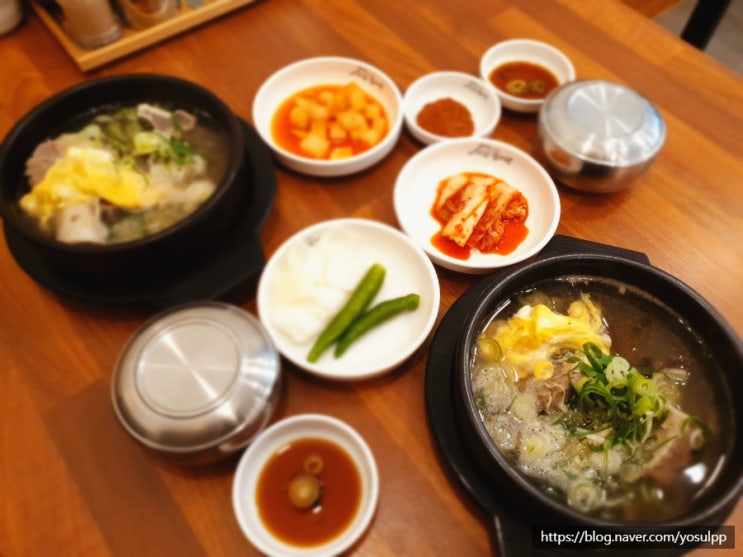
(11, 15)
(91, 23)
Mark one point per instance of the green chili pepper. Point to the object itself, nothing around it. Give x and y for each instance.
(375, 316)
(360, 299)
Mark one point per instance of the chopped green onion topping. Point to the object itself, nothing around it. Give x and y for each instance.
(613, 396)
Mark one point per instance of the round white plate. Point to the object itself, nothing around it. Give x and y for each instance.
(360, 243)
(417, 183)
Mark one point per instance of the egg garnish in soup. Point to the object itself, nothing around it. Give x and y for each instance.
(124, 173)
(83, 175)
(533, 335)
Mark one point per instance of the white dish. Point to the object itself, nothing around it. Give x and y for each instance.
(363, 242)
(272, 440)
(319, 71)
(417, 183)
(472, 92)
(525, 50)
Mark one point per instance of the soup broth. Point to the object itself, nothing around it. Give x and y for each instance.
(524, 79)
(562, 429)
(293, 516)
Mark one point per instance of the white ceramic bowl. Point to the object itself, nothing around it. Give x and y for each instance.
(356, 245)
(525, 50)
(268, 443)
(327, 70)
(417, 183)
(478, 97)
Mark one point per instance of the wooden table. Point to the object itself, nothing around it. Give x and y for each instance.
(73, 483)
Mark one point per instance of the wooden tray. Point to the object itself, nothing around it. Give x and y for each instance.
(137, 39)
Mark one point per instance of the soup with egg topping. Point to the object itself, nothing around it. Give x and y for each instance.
(123, 173)
(599, 394)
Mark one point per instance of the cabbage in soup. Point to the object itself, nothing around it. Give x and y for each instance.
(600, 395)
(125, 173)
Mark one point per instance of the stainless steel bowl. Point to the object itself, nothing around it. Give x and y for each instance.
(197, 382)
(598, 136)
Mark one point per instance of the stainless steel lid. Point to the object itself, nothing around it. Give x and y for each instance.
(195, 376)
(602, 122)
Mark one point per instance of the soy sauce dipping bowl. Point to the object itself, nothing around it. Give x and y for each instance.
(142, 258)
(278, 435)
(525, 50)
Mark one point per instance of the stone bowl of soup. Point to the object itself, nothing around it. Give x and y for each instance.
(599, 390)
(329, 116)
(122, 178)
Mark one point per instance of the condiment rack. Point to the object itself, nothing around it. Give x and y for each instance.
(137, 39)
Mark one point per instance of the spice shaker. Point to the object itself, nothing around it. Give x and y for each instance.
(141, 14)
(91, 23)
(11, 15)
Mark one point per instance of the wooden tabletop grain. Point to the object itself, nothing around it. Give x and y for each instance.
(73, 483)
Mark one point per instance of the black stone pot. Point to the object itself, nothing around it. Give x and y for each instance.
(141, 259)
(483, 469)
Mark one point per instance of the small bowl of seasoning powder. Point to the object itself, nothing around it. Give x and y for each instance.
(448, 105)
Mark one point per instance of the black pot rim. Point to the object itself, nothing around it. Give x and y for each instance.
(667, 289)
(128, 84)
